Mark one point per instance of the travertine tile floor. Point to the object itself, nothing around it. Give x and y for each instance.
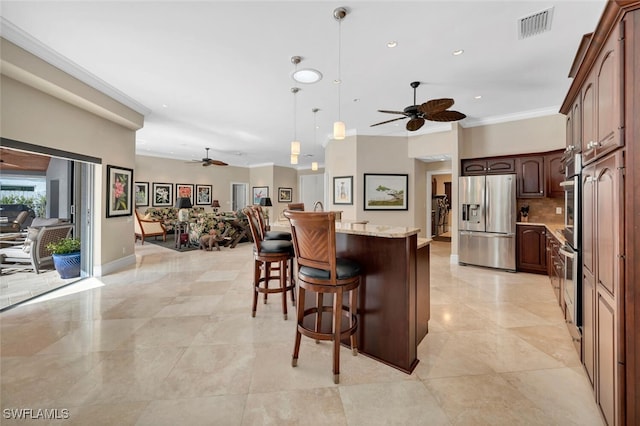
(171, 342)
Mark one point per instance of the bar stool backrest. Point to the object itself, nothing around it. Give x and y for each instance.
(254, 225)
(314, 240)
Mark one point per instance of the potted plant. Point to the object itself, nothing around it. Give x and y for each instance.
(66, 257)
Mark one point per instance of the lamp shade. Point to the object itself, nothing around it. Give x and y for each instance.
(294, 159)
(215, 204)
(265, 202)
(183, 203)
(339, 130)
(295, 148)
(314, 166)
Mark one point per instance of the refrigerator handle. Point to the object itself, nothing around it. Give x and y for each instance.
(487, 216)
(465, 209)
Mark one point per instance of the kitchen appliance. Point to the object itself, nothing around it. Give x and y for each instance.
(570, 251)
(487, 228)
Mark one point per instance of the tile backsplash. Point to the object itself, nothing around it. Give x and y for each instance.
(543, 210)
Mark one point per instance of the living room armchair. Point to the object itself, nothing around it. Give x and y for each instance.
(144, 228)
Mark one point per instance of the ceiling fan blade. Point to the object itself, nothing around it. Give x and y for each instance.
(218, 163)
(436, 105)
(392, 112)
(414, 124)
(388, 121)
(445, 116)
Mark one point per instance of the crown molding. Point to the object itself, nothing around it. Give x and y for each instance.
(524, 115)
(26, 41)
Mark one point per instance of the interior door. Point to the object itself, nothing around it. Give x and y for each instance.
(239, 197)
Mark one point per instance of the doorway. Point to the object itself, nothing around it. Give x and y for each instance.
(439, 206)
(239, 196)
(67, 195)
(312, 190)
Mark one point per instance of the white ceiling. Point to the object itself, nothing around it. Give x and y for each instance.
(218, 73)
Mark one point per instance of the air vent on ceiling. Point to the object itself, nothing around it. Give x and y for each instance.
(535, 24)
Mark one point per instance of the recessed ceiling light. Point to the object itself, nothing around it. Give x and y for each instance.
(165, 106)
(477, 97)
(337, 81)
(307, 76)
(392, 44)
(458, 52)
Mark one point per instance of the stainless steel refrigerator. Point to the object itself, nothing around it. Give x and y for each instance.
(487, 227)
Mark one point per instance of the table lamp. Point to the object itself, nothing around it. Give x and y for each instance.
(266, 202)
(216, 205)
(184, 204)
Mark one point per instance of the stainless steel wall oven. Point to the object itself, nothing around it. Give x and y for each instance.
(570, 251)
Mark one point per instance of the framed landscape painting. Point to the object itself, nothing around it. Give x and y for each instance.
(386, 192)
(343, 190)
(203, 195)
(119, 191)
(141, 193)
(162, 194)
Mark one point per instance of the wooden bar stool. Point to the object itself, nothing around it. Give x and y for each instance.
(266, 253)
(268, 234)
(320, 272)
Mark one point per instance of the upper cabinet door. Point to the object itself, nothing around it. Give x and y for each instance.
(530, 174)
(588, 121)
(474, 167)
(555, 174)
(576, 126)
(497, 166)
(609, 99)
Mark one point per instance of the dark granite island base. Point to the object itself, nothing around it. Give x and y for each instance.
(393, 298)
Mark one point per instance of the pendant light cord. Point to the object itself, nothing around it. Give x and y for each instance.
(339, 65)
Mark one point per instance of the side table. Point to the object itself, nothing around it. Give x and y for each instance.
(180, 228)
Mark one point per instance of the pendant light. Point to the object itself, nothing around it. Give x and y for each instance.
(314, 165)
(339, 131)
(295, 144)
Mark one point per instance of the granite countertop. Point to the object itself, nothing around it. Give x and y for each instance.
(367, 229)
(554, 227)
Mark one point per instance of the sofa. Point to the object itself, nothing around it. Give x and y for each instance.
(229, 224)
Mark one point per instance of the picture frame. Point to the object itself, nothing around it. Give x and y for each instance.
(203, 195)
(259, 192)
(185, 190)
(386, 191)
(285, 195)
(162, 194)
(343, 190)
(141, 193)
(120, 199)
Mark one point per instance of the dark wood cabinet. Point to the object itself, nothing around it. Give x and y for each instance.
(606, 81)
(531, 250)
(553, 167)
(488, 166)
(555, 268)
(530, 177)
(602, 266)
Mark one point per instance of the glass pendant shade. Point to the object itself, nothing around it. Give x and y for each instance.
(339, 130)
(294, 159)
(314, 166)
(295, 148)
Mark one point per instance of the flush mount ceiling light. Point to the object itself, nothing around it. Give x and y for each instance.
(458, 52)
(305, 75)
(392, 44)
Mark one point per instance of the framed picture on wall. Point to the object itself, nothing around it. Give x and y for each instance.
(386, 192)
(141, 191)
(119, 191)
(284, 195)
(260, 192)
(343, 190)
(185, 190)
(162, 194)
(203, 195)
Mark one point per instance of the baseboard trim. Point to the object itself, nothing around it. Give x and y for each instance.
(116, 265)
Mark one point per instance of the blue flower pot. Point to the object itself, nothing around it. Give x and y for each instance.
(67, 265)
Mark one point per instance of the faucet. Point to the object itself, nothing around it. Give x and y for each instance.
(315, 206)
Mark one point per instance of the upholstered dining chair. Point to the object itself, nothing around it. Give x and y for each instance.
(321, 272)
(33, 253)
(266, 253)
(268, 234)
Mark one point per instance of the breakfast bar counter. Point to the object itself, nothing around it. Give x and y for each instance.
(393, 297)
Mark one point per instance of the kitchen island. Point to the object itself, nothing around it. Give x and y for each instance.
(393, 297)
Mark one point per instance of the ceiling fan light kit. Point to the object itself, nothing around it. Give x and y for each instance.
(339, 131)
(433, 110)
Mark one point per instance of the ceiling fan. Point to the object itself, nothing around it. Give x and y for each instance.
(433, 110)
(210, 161)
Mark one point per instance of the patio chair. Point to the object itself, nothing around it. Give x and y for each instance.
(33, 253)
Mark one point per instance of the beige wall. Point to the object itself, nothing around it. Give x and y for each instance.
(516, 137)
(164, 170)
(340, 158)
(261, 176)
(41, 105)
(284, 177)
